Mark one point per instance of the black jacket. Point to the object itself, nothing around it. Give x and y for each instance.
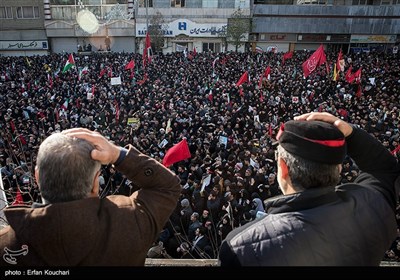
(352, 224)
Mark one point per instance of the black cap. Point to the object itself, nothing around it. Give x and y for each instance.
(313, 140)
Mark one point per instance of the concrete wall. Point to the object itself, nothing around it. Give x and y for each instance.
(23, 35)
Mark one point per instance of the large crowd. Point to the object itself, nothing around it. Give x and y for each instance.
(230, 129)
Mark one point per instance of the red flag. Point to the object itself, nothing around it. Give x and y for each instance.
(102, 72)
(12, 125)
(357, 75)
(210, 96)
(177, 153)
(287, 55)
(146, 50)
(316, 59)
(244, 78)
(130, 65)
(22, 139)
(394, 152)
(194, 51)
(19, 200)
(349, 75)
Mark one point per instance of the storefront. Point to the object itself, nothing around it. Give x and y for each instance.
(367, 43)
(183, 34)
(24, 48)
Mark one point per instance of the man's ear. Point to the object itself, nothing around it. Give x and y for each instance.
(284, 168)
(37, 176)
(95, 185)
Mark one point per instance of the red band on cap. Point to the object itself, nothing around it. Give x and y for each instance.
(329, 143)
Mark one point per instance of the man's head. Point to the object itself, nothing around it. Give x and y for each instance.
(310, 154)
(313, 140)
(65, 170)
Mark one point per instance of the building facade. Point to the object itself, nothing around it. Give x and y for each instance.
(115, 32)
(29, 27)
(353, 25)
(190, 24)
(22, 29)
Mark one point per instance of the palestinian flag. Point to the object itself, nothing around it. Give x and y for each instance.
(70, 63)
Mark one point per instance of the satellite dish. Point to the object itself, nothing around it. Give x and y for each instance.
(87, 21)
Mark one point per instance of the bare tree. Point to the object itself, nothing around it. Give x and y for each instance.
(238, 29)
(223, 35)
(157, 30)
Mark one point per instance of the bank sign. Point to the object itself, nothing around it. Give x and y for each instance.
(186, 27)
(23, 45)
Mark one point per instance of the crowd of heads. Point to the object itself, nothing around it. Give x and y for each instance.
(230, 130)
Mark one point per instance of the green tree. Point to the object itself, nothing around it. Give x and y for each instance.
(157, 31)
(239, 27)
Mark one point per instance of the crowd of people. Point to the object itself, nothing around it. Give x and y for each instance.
(230, 129)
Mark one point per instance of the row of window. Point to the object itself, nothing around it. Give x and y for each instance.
(141, 3)
(327, 2)
(87, 2)
(24, 12)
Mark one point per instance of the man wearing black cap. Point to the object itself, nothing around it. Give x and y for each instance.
(315, 222)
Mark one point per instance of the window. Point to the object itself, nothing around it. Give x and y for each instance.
(315, 2)
(210, 3)
(28, 12)
(214, 47)
(5, 12)
(63, 2)
(363, 2)
(90, 2)
(274, 2)
(115, 1)
(142, 3)
(177, 3)
(65, 12)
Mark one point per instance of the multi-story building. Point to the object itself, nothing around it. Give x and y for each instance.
(30, 27)
(305, 24)
(22, 30)
(190, 23)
